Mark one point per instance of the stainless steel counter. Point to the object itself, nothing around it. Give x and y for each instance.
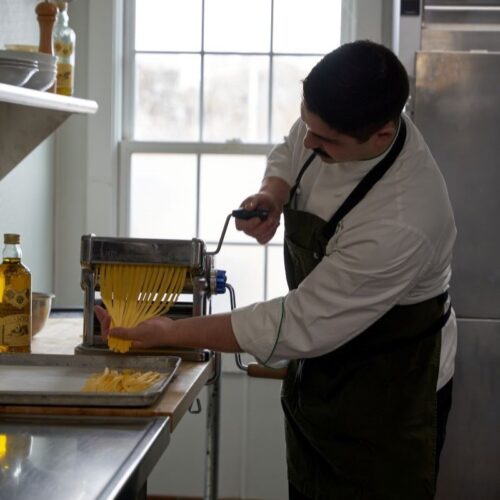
(87, 453)
(81, 458)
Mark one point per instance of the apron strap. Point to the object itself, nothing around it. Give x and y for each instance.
(299, 177)
(368, 181)
(434, 328)
(440, 322)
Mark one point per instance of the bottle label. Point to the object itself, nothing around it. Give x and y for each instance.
(64, 76)
(15, 330)
(63, 49)
(18, 299)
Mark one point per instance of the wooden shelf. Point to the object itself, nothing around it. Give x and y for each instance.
(27, 117)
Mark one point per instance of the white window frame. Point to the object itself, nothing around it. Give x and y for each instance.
(128, 146)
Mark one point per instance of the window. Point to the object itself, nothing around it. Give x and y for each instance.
(210, 86)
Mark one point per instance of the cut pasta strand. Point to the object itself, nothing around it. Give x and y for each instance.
(121, 381)
(133, 293)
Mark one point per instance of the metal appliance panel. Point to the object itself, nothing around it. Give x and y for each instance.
(457, 109)
(461, 25)
(462, 3)
(471, 454)
(443, 38)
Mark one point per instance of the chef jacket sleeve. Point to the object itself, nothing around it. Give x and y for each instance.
(366, 274)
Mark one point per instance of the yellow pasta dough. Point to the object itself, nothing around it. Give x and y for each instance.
(135, 293)
(121, 381)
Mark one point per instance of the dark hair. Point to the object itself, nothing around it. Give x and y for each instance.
(357, 88)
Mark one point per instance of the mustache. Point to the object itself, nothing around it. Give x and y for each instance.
(322, 153)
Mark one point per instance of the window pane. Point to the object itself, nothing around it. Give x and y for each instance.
(225, 181)
(236, 98)
(237, 25)
(168, 25)
(167, 97)
(276, 278)
(288, 73)
(244, 266)
(163, 196)
(306, 27)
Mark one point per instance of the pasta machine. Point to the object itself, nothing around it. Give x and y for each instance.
(203, 280)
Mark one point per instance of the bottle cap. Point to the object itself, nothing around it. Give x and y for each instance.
(11, 239)
(62, 4)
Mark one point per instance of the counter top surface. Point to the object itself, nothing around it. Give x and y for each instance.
(85, 458)
(61, 335)
(61, 452)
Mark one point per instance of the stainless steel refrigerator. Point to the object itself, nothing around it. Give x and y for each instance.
(456, 105)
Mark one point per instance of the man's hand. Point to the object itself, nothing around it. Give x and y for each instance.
(153, 332)
(261, 230)
(272, 196)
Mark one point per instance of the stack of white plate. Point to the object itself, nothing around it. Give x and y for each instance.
(16, 70)
(46, 64)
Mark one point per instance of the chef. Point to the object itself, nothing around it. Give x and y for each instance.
(367, 330)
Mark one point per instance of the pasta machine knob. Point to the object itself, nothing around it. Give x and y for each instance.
(218, 281)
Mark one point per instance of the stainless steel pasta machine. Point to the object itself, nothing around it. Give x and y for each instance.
(203, 280)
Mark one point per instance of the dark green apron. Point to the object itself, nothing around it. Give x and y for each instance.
(361, 420)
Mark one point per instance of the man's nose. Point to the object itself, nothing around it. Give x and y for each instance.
(310, 142)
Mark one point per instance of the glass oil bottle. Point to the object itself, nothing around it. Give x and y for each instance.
(15, 298)
(63, 38)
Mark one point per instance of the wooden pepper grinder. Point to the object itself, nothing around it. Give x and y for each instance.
(46, 15)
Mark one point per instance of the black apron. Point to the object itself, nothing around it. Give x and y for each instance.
(361, 420)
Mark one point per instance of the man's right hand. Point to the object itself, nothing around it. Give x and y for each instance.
(273, 195)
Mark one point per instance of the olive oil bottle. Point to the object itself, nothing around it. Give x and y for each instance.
(15, 298)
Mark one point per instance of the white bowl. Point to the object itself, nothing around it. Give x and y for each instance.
(47, 67)
(43, 79)
(39, 57)
(13, 74)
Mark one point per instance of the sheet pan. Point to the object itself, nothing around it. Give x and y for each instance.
(57, 380)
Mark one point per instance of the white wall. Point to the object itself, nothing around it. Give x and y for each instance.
(368, 22)
(27, 192)
(406, 37)
(71, 175)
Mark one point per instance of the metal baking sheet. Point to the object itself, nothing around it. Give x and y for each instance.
(57, 380)
(186, 354)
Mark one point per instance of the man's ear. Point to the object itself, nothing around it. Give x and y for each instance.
(385, 134)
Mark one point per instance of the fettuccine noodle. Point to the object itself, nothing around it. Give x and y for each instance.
(134, 293)
(121, 381)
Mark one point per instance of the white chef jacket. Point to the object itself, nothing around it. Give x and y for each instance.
(394, 247)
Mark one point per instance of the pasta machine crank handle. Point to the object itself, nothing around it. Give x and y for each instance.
(239, 213)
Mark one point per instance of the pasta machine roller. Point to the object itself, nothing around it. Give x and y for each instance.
(202, 282)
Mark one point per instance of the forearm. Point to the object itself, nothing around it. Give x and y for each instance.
(213, 332)
(277, 188)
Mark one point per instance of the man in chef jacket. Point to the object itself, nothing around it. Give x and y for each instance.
(366, 330)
